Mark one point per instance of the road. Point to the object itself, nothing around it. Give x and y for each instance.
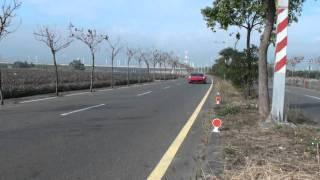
(110, 134)
(304, 100)
(308, 101)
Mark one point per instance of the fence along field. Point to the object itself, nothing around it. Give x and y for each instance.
(20, 82)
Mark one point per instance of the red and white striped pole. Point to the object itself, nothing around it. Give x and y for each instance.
(277, 112)
(282, 40)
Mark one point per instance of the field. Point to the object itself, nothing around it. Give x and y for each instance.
(25, 82)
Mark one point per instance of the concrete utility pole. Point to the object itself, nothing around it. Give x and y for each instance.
(279, 83)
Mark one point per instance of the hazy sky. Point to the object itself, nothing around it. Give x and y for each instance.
(164, 24)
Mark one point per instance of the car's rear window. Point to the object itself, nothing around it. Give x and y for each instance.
(197, 74)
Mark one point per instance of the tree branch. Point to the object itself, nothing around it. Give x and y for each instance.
(7, 14)
(52, 39)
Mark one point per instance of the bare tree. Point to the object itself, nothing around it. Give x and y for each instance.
(147, 58)
(92, 39)
(55, 42)
(140, 57)
(115, 49)
(155, 61)
(164, 58)
(174, 62)
(180, 66)
(318, 62)
(130, 54)
(7, 14)
(160, 62)
(294, 62)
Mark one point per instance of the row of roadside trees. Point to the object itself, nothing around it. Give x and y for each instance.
(91, 38)
(311, 64)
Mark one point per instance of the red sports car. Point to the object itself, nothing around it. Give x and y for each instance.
(197, 78)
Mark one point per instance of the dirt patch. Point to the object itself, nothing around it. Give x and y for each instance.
(251, 151)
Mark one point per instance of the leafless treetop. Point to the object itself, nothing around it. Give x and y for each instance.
(7, 14)
(174, 61)
(130, 52)
(138, 53)
(164, 58)
(114, 47)
(90, 37)
(318, 60)
(296, 60)
(148, 57)
(52, 38)
(156, 57)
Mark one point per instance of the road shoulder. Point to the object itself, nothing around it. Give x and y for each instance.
(256, 149)
(193, 157)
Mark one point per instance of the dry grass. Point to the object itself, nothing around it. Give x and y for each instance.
(227, 91)
(253, 152)
(270, 171)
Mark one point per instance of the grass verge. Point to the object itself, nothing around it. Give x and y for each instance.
(250, 151)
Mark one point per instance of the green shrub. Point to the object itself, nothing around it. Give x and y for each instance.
(20, 64)
(228, 110)
(237, 67)
(77, 65)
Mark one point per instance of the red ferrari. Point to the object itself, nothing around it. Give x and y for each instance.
(197, 78)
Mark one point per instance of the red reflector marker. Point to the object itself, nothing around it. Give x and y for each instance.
(216, 123)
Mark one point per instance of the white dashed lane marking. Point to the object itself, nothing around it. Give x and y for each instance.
(36, 100)
(313, 97)
(142, 94)
(80, 110)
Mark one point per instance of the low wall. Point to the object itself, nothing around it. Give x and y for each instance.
(304, 83)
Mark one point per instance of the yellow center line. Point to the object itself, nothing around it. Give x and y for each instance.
(161, 168)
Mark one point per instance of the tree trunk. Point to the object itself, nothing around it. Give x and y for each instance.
(154, 72)
(128, 73)
(293, 69)
(165, 72)
(176, 71)
(264, 104)
(148, 67)
(92, 72)
(56, 72)
(139, 72)
(112, 68)
(236, 44)
(1, 91)
(249, 76)
(249, 30)
(160, 72)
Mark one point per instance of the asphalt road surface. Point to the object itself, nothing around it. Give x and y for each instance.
(305, 100)
(110, 134)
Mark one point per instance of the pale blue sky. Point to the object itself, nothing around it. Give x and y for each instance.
(165, 24)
